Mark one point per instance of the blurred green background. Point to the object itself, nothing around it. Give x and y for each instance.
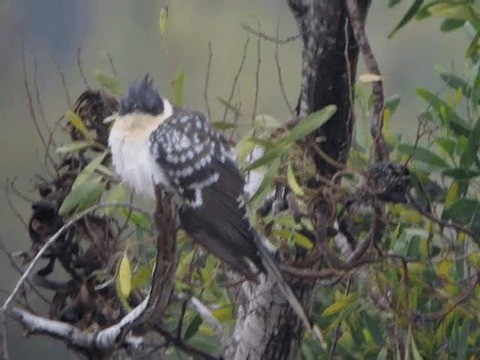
(129, 32)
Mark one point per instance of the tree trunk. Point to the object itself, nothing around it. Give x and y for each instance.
(266, 327)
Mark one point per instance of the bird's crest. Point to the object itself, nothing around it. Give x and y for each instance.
(142, 96)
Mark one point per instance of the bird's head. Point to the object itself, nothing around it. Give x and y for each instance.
(142, 97)
(141, 109)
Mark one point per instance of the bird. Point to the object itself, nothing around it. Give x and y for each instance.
(154, 143)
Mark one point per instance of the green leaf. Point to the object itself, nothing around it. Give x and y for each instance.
(116, 194)
(447, 145)
(461, 174)
(267, 181)
(83, 196)
(392, 102)
(89, 170)
(415, 352)
(223, 125)
(392, 3)
(423, 154)
(470, 155)
(74, 146)
(268, 157)
(335, 308)
(301, 240)
(455, 82)
(292, 181)
(109, 82)
(77, 122)
(451, 24)
(229, 106)
(192, 328)
(446, 113)
(142, 276)
(472, 49)
(124, 277)
(178, 85)
(407, 17)
(311, 123)
(461, 211)
(140, 220)
(162, 21)
(451, 11)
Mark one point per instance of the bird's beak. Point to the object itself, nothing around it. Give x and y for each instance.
(110, 118)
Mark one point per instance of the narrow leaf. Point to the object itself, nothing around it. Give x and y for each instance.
(162, 21)
(109, 82)
(77, 122)
(192, 328)
(451, 25)
(407, 17)
(461, 211)
(392, 102)
(178, 85)
(74, 146)
(292, 181)
(423, 154)
(310, 124)
(267, 158)
(83, 196)
(267, 181)
(124, 277)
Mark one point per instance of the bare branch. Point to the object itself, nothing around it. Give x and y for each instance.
(37, 93)
(30, 105)
(279, 73)
(266, 37)
(257, 79)
(95, 341)
(358, 25)
(64, 83)
(207, 80)
(3, 334)
(112, 66)
(235, 79)
(79, 64)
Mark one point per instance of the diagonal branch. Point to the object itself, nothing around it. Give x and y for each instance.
(358, 25)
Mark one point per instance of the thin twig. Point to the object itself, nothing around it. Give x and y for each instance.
(17, 268)
(37, 93)
(3, 333)
(17, 192)
(30, 104)
(279, 73)
(257, 79)
(112, 66)
(79, 64)
(207, 80)
(184, 346)
(54, 238)
(452, 225)
(266, 37)
(235, 79)
(64, 83)
(13, 208)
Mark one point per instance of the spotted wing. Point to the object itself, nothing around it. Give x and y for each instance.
(201, 170)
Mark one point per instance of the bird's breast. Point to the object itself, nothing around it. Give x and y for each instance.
(133, 160)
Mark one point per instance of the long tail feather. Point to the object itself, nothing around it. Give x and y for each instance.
(286, 290)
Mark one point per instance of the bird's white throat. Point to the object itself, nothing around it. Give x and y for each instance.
(129, 142)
